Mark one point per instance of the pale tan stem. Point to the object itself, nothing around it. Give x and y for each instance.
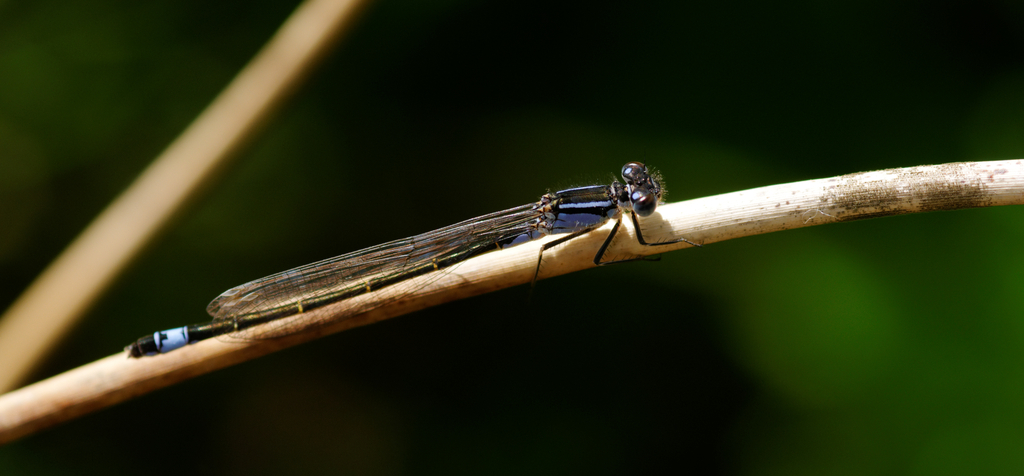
(705, 220)
(45, 312)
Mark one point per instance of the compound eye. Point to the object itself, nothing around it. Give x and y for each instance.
(644, 203)
(632, 171)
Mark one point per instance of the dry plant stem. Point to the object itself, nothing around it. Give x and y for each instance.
(37, 321)
(706, 220)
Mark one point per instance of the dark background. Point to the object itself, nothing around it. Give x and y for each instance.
(887, 346)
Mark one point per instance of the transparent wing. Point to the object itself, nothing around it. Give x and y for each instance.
(282, 299)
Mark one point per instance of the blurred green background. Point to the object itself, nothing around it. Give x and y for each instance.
(887, 346)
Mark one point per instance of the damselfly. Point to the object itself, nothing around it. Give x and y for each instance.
(274, 306)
